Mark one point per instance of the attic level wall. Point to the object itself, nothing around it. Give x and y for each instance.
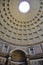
(31, 50)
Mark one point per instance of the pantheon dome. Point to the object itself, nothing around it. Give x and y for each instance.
(21, 31)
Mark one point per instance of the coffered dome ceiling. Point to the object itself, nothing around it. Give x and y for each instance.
(18, 28)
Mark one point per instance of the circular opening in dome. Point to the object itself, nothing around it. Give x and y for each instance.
(24, 7)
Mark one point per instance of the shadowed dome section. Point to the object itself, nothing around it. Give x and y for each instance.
(19, 56)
